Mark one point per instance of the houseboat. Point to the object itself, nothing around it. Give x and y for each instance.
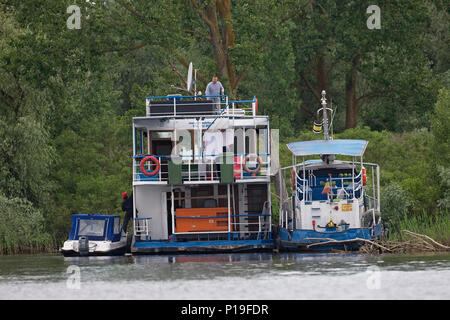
(201, 176)
(95, 235)
(334, 204)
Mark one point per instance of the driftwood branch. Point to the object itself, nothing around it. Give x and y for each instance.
(347, 241)
(426, 237)
(417, 243)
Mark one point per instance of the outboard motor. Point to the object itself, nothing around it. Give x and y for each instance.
(83, 246)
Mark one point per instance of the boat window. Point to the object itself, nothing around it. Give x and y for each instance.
(184, 143)
(199, 194)
(91, 227)
(251, 141)
(161, 135)
(223, 196)
(335, 173)
(141, 140)
(116, 225)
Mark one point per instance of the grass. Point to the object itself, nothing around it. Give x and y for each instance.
(436, 226)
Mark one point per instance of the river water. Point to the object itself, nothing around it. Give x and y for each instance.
(226, 276)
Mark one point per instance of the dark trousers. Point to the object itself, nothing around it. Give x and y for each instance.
(128, 216)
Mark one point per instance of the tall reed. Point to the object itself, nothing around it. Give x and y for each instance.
(436, 226)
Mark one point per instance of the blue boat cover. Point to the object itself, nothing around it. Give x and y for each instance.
(344, 147)
(95, 227)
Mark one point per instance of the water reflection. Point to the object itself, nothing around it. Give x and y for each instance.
(105, 260)
(203, 258)
(225, 276)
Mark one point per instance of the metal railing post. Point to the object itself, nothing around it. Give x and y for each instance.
(172, 210)
(229, 210)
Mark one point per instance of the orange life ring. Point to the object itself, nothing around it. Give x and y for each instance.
(155, 161)
(293, 184)
(256, 106)
(253, 172)
(364, 176)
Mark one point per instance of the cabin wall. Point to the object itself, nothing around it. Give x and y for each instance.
(322, 212)
(151, 202)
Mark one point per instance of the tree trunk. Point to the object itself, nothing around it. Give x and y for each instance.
(321, 76)
(352, 110)
(221, 38)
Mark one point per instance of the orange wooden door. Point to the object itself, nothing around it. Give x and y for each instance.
(201, 219)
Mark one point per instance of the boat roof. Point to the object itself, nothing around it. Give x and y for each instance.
(347, 147)
(94, 216)
(319, 164)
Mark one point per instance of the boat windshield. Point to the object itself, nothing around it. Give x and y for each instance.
(91, 227)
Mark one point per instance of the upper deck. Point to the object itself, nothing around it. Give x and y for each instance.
(201, 139)
(194, 106)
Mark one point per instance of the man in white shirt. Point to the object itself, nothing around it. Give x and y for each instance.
(215, 88)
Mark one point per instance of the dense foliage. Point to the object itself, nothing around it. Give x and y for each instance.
(67, 96)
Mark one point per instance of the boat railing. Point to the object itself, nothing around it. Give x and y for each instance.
(371, 202)
(340, 187)
(203, 169)
(142, 228)
(285, 214)
(177, 105)
(258, 226)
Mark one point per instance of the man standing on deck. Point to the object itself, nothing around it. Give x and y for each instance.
(127, 206)
(215, 88)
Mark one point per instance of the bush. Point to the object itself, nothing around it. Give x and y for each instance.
(444, 202)
(395, 203)
(21, 227)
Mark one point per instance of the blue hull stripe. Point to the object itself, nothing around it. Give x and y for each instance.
(145, 244)
(298, 238)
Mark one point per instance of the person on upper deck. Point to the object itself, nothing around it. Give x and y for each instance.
(215, 88)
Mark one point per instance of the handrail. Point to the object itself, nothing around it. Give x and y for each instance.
(174, 96)
(139, 156)
(201, 168)
(222, 217)
(301, 190)
(140, 230)
(173, 100)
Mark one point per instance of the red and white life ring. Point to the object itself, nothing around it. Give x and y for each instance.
(253, 172)
(155, 161)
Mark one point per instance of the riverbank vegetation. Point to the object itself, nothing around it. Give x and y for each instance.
(67, 96)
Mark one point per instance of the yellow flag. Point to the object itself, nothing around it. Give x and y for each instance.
(326, 188)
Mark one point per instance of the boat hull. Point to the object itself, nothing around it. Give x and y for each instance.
(144, 247)
(114, 252)
(71, 248)
(310, 240)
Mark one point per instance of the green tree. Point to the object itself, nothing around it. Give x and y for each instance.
(383, 70)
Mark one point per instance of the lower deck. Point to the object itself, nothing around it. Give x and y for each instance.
(202, 218)
(212, 246)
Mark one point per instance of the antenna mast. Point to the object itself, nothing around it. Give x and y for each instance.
(325, 118)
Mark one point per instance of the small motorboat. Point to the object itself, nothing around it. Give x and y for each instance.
(95, 235)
